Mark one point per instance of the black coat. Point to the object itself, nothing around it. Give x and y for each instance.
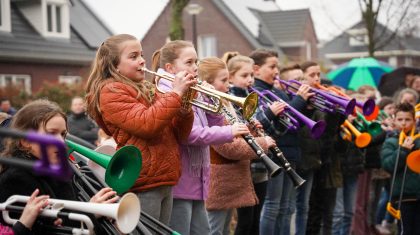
(83, 127)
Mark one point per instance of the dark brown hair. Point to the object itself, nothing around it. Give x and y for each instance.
(289, 68)
(305, 65)
(32, 116)
(260, 56)
(405, 107)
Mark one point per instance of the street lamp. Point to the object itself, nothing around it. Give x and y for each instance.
(194, 9)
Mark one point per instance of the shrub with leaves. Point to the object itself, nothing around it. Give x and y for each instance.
(60, 93)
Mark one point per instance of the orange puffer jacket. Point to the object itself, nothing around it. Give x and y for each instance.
(156, 129)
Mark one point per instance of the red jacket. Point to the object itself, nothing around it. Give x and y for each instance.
(156, 129)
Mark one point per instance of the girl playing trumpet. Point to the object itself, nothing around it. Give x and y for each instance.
(127, 108)
(189, 215)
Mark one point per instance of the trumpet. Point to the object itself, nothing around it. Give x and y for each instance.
(248, 104)
(126, 213)
(370, 110)
(41, 167)
(317, 128)
(361, 139)
(322, 100)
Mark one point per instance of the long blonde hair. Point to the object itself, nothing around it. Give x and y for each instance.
(233, 61)
(209, 67)
(168, 53)
(104, 69)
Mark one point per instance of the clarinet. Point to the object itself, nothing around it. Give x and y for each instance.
(272, 167)
(296, 179)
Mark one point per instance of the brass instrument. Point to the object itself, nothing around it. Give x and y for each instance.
(248, 104)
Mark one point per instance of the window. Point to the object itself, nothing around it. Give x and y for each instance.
(393, 61)
(5, 24)
(20, 80)
(69, 80)
(54, 18)
(57, 21)
(358, 37)
(207, 46)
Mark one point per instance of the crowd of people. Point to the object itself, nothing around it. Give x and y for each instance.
(200, 168)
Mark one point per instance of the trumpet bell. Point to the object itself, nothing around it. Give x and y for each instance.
(413, 161)
(249, 105)
(124, 173)
(373, 115)
(318, 129)
(128, 213)
(363, 140)
(122, 169)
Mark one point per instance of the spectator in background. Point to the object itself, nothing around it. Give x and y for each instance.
(6, 107)
(79, 123)
(291, 72)
(415, 84)
(407, 95)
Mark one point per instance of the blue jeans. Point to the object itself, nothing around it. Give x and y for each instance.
(382, 213)
(219, 221)
(344, 206)
(302, 202)
(278, 206)
(189, 217)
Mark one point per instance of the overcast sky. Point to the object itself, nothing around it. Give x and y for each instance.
(136, 16)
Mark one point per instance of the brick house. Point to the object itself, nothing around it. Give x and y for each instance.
(240, 25)
(47, 40)
(401, 51)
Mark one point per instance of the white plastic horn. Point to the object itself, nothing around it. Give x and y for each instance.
(126, 212)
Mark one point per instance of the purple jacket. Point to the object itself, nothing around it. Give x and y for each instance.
(208, 129)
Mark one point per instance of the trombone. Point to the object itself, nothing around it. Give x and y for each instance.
(126, 212)
(412, 162)
(248, 104)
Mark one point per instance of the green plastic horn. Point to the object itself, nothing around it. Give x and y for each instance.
(121, 170)
(374, 128)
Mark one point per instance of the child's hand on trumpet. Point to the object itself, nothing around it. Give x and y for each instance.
(33, 208)
(183, 82)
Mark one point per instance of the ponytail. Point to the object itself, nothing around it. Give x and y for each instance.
(155, 60)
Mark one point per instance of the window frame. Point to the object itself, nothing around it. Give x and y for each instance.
(203, 49)
(69, 80)
(5, 16)
(56, 25)
(14, 81)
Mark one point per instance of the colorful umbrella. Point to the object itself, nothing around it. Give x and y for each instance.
(359, 72)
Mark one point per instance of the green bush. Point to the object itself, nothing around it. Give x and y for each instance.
(60, 93)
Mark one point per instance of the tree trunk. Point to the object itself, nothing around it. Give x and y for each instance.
(176, 30)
